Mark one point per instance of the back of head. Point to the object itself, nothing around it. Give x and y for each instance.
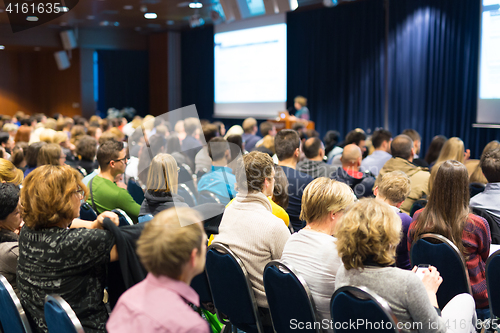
(286, 143)
(163, 174)
(331, 139)
(32, 153)
(47, 135)
(323, 196)
(351, 155)
(87, 148)
(9, 173)
(311, 147)
(60, 137)
(249, 125)
(379, 136)
(9, 199)
(412, 134)
(257, 166)
(370, 230)
(453, 149)
(173, 144)
(394, 186)
(401, 146)
(280, 191)
(18, 156)
(167, 241)
(210, 131)
(109, 150)
(191, 125)
(4, 137)
(490, 165)
(217, 148)
(236, 145)
(300, 100)
(49, 154)
(355, 136)
(23, 134)
(265, 127)
(435, 148)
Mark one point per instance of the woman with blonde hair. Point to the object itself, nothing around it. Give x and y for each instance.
(51, 154)
(367, 237)
(9, 173)
(453, 149)
(161, 186)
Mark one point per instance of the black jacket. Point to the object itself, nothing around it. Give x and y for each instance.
(362, 187)
(155, 202)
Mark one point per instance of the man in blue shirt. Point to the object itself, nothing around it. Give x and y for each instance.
(250, 137)
(220, 180)
(381, 141)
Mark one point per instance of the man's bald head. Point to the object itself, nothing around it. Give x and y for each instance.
(402, 146)
(351, 155)
(313, 147)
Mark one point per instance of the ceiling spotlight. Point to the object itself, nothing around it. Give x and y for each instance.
(2, 47)
(128, 7)
(196, 4)
(143, 8)
(150, 16)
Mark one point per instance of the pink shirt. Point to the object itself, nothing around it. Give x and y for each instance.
(157, 304)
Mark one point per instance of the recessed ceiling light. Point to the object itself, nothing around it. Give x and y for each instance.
(196, 4)
(150, 16)
(128, 7)
(2, 47)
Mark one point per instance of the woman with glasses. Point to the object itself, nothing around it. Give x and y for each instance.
(161, 186)
(54, 259)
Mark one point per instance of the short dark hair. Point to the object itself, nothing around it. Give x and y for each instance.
(412, 134)
(285, 143)
(210, 131)
(265, 127)
(355, 137)
(379, 136)
(9, 199)
(4, 137)
(32, 153)
(87, 148)
(490, 165)
(401, 146)
(217, 148)
(108, 151)
(237, 145)
(311, 147)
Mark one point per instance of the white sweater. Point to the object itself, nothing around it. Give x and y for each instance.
(255, 235)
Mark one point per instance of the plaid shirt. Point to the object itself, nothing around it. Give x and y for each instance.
(476, 238)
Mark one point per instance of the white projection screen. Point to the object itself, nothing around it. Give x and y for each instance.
(250, 68)
(488, 99)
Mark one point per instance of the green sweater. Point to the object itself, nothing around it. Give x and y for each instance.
(108, 196)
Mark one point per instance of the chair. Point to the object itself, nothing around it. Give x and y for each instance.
(492, 277)
(200, 284)
(208, 197)
(87, 213)
(419, 204)
(284, 287)
(185, 192)
(123, 217)
(135, 191)
(439, 251)
(201, 172)
(493, 223)
(351, 303)
(231, 289)
(60, 317)
(12, 315)
(186, 177)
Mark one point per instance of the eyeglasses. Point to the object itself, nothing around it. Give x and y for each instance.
(80, 192)
(122, 159)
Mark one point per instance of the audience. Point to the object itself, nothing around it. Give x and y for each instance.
(357, 137)
(417, 143)
(403, 151)
(366, 242)
(279, 199)
(314, 164)
(434, 149)
(477, 175)
(191, 144)
(312, 251)
(288, 150)
(32, 156)
(86, 150)
(9, 173)
(331, 149)
(7, 144)
(249, 136)
(447, 213)
(267, 129)
(202, 159)
(50, 154)
(381, 141)
(172, 248)
(393, 189)
(453, 149)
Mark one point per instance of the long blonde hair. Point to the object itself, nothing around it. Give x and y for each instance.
(163, 174)
(453, 149)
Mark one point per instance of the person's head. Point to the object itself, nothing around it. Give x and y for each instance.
(32, 153)
(447, 208)
(10, 214)
(435, 148)
(453, 149)
(52, 154)
(370, 230)
(18, 156)
(393, 188)
(112, 157)
(331, 139)
(490, 165)
(402, 147)
(55, 201)
(280, 191)
(250, 126)
(220, 127)
(236, 145)
(23, 134)
(381, 140)
(191, 126)
(313, 148)
(257, 174)
(9, 173)
(210, 131)
(173, 244)
(173, 144)
(324, 201)
(163, 174)
(95, 132)
(358, 137)
(6, 141)
(61, 138)
(351, 156)
(86, 148)
(299, 102)
(415, 138)
(47, 135)
(287, 145)
(267, 128)
(77, 132)
(218, 150)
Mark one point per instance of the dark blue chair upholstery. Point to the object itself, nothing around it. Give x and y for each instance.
(350, 303)
(492, 278)
(123, 217)
(284, 287)
(12, 315)
(59, 316)
(201, 286)
(493, 223)
(476, 188)
(186, 177)
(87, 213)
(208, 197)
(440, 252)
(189, 197)
(419, 204)
(135, 191)
(231, 289)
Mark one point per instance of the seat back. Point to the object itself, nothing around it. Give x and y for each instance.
(231, 289)
(284, 287)
(123, 217)
(135, 191)
(351, 303)
(493, 223)
(201, 286)
(12, 315)
(185, 192)
(186, 177)
(60, 317)
(492, 278)
(476, 188)
(208, 197)
(419, 204)
(440, 252)
(87, 213)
